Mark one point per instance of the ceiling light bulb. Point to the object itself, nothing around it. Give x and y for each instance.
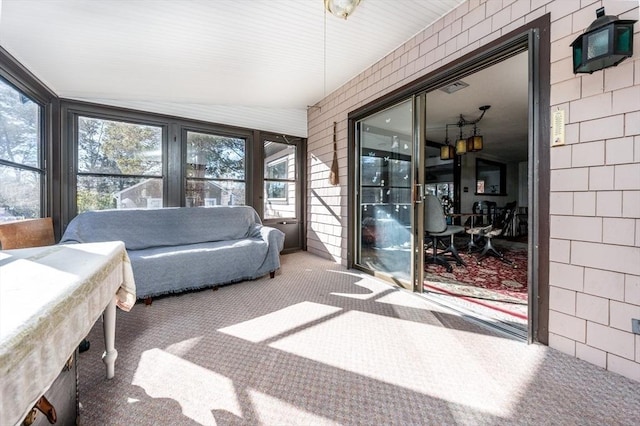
(341, 8)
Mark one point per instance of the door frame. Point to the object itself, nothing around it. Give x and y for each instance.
(533, 37)
(258, 184)
(416, 192)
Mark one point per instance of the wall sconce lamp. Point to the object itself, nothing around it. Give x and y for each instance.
(607, 42)
(471, 144)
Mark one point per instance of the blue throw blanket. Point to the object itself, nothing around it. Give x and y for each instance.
(178, 249)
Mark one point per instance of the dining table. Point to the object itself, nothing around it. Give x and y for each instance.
(50, 298)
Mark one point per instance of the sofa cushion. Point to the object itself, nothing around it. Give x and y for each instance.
(164, 227)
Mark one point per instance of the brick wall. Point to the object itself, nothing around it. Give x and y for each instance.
(595, 202)
(594, 252)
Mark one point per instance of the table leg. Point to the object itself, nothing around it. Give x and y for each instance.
(109, 328)
(472, 244)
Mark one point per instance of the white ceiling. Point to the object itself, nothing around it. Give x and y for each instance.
(250, 63)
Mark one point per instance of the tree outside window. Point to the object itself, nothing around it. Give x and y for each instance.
(21, 171)
(119, 165)
(277, 169)
(215, 170)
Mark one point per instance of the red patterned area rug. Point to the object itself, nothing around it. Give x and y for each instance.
(490, 281)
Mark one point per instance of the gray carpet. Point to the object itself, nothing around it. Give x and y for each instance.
(319, 344)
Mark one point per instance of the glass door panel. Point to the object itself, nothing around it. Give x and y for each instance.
(385, 179)
(279, 180)
(439, 180)
(281, 188)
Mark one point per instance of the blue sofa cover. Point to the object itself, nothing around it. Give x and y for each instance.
(179, 249)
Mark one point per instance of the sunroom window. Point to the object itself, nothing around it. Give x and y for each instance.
(119, 165)
(215, 170)
(21, 169)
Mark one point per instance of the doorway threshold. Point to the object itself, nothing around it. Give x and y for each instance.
(479, 316)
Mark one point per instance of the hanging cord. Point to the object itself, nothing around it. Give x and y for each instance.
(333, 172)
(324, 56)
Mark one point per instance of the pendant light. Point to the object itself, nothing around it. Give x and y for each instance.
(447, 152)
(473, 143)
(461, 144)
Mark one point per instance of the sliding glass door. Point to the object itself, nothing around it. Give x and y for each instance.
(385, 192)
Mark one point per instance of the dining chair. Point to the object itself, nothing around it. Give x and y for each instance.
(502, 223)
(26, 233)
(436, 227)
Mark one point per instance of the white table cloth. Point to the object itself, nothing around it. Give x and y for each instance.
(50, 297)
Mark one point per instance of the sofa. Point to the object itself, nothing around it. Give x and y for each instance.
(178, 249)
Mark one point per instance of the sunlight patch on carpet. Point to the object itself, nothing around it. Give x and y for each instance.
(398, 298)
(182, 348)
(272, 410)
(400, 353)
(279, 322)
(374, 288)
(197, 389)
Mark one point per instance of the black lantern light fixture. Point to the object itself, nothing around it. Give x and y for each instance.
(607, 42)
(475, 142)
(463, 145)
(447, 152)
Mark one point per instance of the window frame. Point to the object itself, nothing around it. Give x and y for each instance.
(502, 177)
(79, 173)
(284, 182)
(21, 79)
(73, 111)
(187, 127)
(176, 128)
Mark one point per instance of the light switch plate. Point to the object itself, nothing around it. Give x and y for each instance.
(635, 325)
